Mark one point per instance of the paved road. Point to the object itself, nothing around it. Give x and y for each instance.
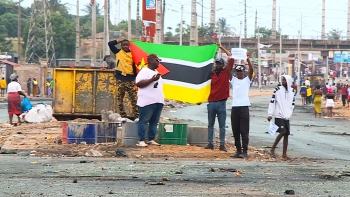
(315, 138)
(25, 177)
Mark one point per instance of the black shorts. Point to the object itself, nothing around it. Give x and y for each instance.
(283, 125)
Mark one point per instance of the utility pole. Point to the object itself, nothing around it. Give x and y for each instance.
(40, 43)
(240, 35)
(93, 34)
(301, 26)
(203, 16)
(273, 33)
(299, 72)
(138, 19)
(106, 29)
(181, 24)
(158, 36)
(280, 67)
(256, 22)
(280, 30)
(212, 16)
(163, 16)
(259, 67)
(245, 18)
(348, 35)
(19, 35)
(77, 36)
(194, 27)
(116, 11)
(129, 19)
(323, 36)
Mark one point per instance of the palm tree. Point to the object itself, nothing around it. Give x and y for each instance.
(224, 28)
(88, 9)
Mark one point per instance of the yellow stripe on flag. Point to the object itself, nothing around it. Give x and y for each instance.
(185, 94)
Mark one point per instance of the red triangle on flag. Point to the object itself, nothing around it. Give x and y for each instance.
(139, 56)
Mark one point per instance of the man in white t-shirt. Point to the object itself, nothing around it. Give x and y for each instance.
(150, 100)
(240, 109)
(307, 82)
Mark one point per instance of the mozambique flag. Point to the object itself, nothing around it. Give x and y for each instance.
(186, 70)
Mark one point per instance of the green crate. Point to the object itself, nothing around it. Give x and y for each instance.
(169, 133)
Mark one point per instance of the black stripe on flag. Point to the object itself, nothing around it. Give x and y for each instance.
(188, 74)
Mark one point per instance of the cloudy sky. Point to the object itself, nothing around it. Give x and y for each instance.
(292, 15)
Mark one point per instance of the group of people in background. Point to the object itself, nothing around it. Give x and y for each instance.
(330, 93)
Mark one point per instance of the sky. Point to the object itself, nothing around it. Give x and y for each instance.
(292, 15)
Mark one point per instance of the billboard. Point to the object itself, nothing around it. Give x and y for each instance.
(150, 4)
(148, 20)
(341, 56)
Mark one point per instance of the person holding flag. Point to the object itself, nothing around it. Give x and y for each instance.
(219, 92)
(125, 74)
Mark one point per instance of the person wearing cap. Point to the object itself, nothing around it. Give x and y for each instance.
(240, 108)
(35, 87)
(150, 99)
(219, 92)
(14, 91)
(125, 74)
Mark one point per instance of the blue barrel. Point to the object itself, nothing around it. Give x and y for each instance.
(106, 132)
(78, 132)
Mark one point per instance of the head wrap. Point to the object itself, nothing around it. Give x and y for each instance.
(240, 67)
(13, 76)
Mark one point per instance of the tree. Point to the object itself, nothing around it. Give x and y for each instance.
(123, 25)
(265, 32)
(5, 45)
(58, 7)
(88, 9)
(334, 34)
(169, 34)
(223, 27)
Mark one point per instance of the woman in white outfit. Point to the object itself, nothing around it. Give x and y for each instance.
(330, 102)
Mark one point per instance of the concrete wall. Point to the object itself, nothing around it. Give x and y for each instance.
(25, 71)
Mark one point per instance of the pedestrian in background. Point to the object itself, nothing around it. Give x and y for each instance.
(219, 92)
(29, 86)
(348, 94)
(281, 108)
(317, 100)
(125, 74)
(308, 95)
(240, 108)
(35, 87)
(330, 103)
(344, 94)
(14, 91)
(303, 92)
(150, 100)
(3, 87)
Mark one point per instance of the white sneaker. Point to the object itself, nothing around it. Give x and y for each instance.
(142, 144)
(136, 120)
(152, 142)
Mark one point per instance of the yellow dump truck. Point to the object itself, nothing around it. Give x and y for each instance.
(84, 93)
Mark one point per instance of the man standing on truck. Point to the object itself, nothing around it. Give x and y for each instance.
(125, 74)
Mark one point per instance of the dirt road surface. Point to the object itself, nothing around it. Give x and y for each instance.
(320, 149)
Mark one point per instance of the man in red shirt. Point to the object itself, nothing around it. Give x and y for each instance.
(220, 91)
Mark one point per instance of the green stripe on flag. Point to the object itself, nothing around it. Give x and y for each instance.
(188, 53)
